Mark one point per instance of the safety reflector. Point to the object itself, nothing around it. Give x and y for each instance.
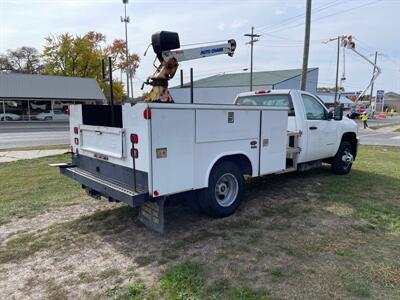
(134, 153)
(134, 138)
(147, 114)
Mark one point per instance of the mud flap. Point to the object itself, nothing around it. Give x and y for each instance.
(151, 214)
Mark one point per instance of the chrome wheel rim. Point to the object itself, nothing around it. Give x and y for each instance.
(226, 190)
(347, 158)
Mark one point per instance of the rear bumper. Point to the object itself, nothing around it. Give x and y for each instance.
(104, 186)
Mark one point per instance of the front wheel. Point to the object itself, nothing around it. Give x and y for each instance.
(224, 192)
(343, 160)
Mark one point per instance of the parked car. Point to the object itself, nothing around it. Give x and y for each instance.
(57, 115)
(38, 106)
(9, 117)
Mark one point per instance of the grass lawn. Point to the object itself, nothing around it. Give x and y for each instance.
(311, 235)
(30, 187)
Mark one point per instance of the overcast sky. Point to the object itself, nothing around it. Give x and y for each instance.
(374, 23)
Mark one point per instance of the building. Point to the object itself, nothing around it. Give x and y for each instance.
(39, 97)
(392, 100)
(222, 89)
(329, 99)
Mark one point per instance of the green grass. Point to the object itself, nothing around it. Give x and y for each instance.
(350, 251)
(187, 280)
(372, 188)
(29, 187)
(183, 281)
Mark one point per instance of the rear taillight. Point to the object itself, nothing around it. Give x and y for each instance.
(76, 130)
(135, 153)
(134, 138)
(147, 114)
(76, 141)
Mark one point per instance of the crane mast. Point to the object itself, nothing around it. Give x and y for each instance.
(166, 46)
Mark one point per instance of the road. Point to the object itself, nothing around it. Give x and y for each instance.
(383, 136)
(25, 134)
(28, 134)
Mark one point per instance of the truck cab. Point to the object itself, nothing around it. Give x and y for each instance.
(322, 131)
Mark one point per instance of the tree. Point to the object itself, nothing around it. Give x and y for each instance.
(22, 60)
(81, 56)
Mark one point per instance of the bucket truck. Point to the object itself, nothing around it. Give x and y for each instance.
(347, 42)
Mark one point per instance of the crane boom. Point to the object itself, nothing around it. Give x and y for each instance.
(200, 52)
(165, 45)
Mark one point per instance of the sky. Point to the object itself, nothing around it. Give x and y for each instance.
(374, 23)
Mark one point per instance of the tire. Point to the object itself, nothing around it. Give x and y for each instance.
(48, 118)
(343, 160)
(225, 190)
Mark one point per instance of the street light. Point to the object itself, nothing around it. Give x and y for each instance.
(126, 21)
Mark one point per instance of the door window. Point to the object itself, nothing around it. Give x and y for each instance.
(314, 109)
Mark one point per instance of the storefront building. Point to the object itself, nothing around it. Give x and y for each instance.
(25, 97)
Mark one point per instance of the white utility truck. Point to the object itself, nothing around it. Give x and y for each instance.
(143, 153)
(155, 150)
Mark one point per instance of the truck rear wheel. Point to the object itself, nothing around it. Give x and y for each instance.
(343, 160)
(224, 192)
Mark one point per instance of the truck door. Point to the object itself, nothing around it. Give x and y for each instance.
(273, 138)
(322, 133)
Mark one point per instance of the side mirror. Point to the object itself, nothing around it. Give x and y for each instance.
(338, 113)
(329, 116)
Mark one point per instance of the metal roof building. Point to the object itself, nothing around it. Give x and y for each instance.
(223, 88)
(40, 97)
(25, 86)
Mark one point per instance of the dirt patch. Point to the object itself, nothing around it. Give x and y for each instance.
(42, 221)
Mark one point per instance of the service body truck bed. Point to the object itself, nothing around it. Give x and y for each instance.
(157, 149)
(154, 150)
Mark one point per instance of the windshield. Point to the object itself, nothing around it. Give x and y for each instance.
(272, 100)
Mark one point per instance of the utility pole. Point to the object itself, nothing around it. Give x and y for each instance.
(372, 85)
(126, 21)
(253, 39)
(337, 71)
(338, 39)
(306, 46)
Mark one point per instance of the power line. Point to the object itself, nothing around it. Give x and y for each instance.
(283, 28)
(297, 17)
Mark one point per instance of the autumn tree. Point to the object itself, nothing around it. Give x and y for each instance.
(81, 56)
(22, 60)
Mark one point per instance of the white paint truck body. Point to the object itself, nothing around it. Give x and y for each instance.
(155, 150)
